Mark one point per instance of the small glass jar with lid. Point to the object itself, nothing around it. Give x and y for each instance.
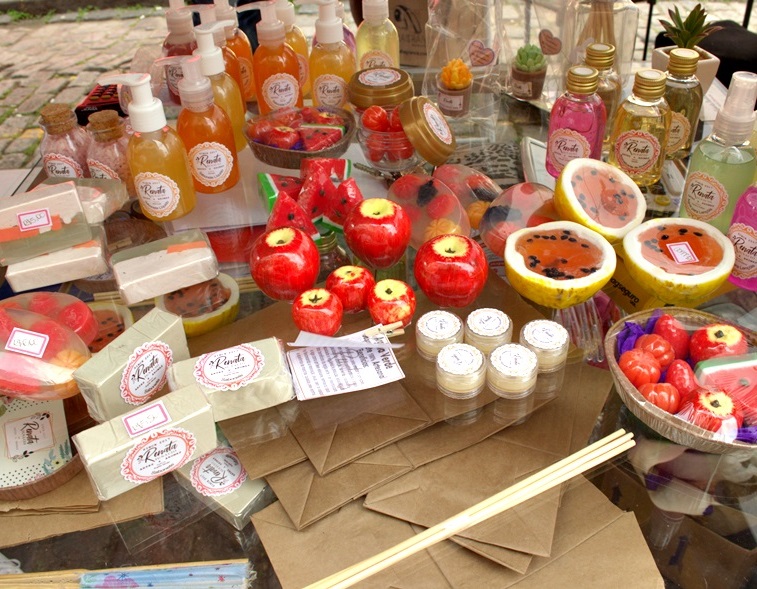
(549, 341)
(437, 329)
(332, 255)
(460, 371)
(512, 371)
(386, 87)
(487, 329)
(64, 146)
(106, 155)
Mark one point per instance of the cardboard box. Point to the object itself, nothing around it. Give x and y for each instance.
(410, 17)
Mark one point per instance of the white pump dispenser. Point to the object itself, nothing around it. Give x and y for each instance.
(328, 26)
(195, 88)
(735, 121)
(375, 11)
(178, 18)
(377, 40)
(270, 29)
(211, 54)
(145, 111)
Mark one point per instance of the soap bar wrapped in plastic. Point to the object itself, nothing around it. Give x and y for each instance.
(40, 222)
(163, 266)
(99, 198)
(61, 307)
(148, 442)
(38, 356)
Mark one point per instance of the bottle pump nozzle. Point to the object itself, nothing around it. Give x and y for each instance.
(178, 17)
(285, 13)
(212, 58)
(735, 121)
(328, 26)
(224, 11)
(270, 29)
(374, 10)
(145, 111)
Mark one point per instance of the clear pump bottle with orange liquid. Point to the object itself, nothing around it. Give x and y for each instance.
(295, 38)
(179, 41)
(237, 41)
(157, 157)
(226, 92)
(231, 63)
(332, 64)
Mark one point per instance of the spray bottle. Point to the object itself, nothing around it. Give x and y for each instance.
(225, 90)
(180, 41)
(349, 36)
(157, 156)
(238, 42)
(723, 164)
(332, 64)
(231, 62)
(295, 38)
(206, 131)
(378, 44)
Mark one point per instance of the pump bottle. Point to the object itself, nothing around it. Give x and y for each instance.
(723, 164)
(230, 60)
(378, 43)
(237, 41)
(684, 95)
(332, 64)
(157, 157)
(349, 36)
(225, 90)
(295, 38)
(180, 41)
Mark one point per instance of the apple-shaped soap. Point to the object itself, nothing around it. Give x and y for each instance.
(390, 301)
(284, 262)
(713, 410)
(352, 285)
(377, 231)
(716, 339)
(318, 311)
(451, 270)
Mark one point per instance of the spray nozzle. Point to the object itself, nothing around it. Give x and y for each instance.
(735, 121)
(146, 111)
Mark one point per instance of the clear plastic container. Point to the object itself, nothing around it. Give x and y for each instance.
(460, 371)
(437, 329)
(512, 371)
(486, 329)
(549, 341)
(64, 146)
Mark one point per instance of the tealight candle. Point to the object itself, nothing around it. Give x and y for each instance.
(549, 341)
(486, 329)
(512, 371)
(437, 329)
(460, 371)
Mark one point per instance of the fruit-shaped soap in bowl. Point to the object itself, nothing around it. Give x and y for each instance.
(63, 308)
(680, 261)
(558, 264)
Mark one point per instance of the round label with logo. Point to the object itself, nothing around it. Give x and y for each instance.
(439, 325)
(744, 240)
(145, 372)
(304, 68)
(330, 90)
(460, 359)
(566, 145)
(217, 473)
(58, 165)
(211, 163)
(680, 127)
(379, 77)
(636, 151)
(376, 58)
(437, 123)
(158, 194)
(100, 170)
(281, 91)
(174, 75)
(245, 69)
(704, 196)
(229, 369)
(488, 322)
(158, 453)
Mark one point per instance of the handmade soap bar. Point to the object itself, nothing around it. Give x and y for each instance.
(99, 198)
(147, 443)
(132, 369)
(40, 222)
(162, 266)
(240, 379)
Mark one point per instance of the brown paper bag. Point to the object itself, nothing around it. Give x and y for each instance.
(511, 559)
(76, 496)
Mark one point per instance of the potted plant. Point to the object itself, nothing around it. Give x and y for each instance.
(688, 33)
(528, 72)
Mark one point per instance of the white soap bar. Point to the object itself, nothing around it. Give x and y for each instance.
(99, 197)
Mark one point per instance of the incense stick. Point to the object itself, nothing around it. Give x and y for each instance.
(546, 479)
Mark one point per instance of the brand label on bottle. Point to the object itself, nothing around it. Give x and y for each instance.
(158, 194)
(145, 419)
(744, 240)
(450, 102)
(636, 151)
(330, 90)
(704, 196)
(302, 64)
(30, 220)
(100, 170)
(280, 91)
(58, 165)
(28, 343)
(174, 75)
(438, 124)
(678, 133)
(245, 68)
(229, 369)
(211, 163)
(682, 253)
(566, 145)
(145, 372)
(376, 58)
(379, 77)
(29, 434)
(158, 453)
(217, 473)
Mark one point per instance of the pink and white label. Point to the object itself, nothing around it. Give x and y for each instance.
(744, 240)
(218, 472)
(58, 165)
(174, 75)
(379, 77)
(29, 434)
(330, 90)
(229, 369)
(145, 372)
(376, 58)
(281, 91)
(211, 163)
(678, 133)
(145, 419)
(28, 343)
(97, 169)
(245, 69)
(682, 253)
(566, 145)
(39, 219)
(304, 69)
(438, 124)
(637, 151)
(158, 453)
(704, 196)
(158, 194)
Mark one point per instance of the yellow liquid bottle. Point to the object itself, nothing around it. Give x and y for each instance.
(237, 41)
(332, 64)
(378, 44)
(295, 38)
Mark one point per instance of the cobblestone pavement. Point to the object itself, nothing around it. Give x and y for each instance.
(58, 59)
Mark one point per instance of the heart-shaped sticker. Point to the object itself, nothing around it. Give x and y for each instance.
(550, 45)
(480, 54)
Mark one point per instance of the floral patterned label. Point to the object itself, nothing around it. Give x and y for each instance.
(636, 151)
(30, 220)
(229, 369)
(158, 453)
(704, 196)
(100, 170)
(376, 58)
(211, 163)
(149, 417)
(379, 77)
(280, 91)
(330, 90)
(304, 68)
(145, 372)
(28, 343)
(678, 133)
(439, 325)
(29, 434)
(744, 240)
(438, 124)
(158, 194)
(460, 359)
(58, 165)
(566, 145)
(218, 472)
(488, 322)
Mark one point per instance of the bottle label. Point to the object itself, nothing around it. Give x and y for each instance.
(217, 473)
(29, 434)
(302, 64)
(211, 163)
(280, 91)
(101, 171)
(636, 151)
(744, 240)
(28, 343)
(158, 194)
(245, 68)
(145, 372)
(376, 58)
(566, 145)
(704, 196)
(58, 165)
(174, 75)
(438, 124)
(158, 453)
(330, 90)
(379, 77)
(229, 369)
(679, 132)
(522, 88)
(31, 220)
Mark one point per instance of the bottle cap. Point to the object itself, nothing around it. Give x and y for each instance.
(146, 112)
(582, 79)
(427, 129)
(374, 10)
(58, 118)
(178, 18)
(285, 13)
(270, 29)
(105, 125)
(649, 84)
(600, 55)
(207, 14)
(212, 58)
(382, 86)
(195, 90)
(735, 121)
(224, 11)
(328, 27)
(683, 62)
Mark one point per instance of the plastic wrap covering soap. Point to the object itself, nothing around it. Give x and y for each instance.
(238, 380)
(38, 356)
(99, 198)
(41, 222)
(153, 269)
(148, 442)
(131, 370)
(61, 307)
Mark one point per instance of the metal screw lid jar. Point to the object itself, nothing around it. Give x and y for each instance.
(383, 86)
(427, 129)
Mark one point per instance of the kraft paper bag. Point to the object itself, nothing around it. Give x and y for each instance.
(76, 496)
(511, 559)
(307, 497)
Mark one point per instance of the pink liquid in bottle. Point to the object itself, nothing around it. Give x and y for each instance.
(743, 235)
